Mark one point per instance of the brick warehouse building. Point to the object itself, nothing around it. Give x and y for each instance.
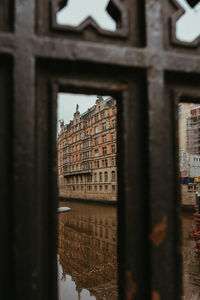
(87, 151)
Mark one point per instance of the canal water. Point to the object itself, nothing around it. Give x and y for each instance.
(87, 253)
(87, 256)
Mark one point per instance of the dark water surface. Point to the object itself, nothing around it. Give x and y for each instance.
(87, 253)
(87, 256)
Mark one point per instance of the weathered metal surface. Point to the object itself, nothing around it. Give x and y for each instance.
(113, 6)
(6, 15)
(148, 74)
(6, 176)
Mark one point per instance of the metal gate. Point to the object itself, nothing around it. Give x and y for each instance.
(145, 67)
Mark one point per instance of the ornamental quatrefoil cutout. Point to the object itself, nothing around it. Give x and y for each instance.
(192, 3)
(103, 15)
(187, 21)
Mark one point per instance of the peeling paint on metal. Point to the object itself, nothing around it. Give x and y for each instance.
(159, 233)
(130, 285)
(155, 295)
(119, 87)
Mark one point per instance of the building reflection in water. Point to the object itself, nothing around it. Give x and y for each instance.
(87, 258)
(191, 260)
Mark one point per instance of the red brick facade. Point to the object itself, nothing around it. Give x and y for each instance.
(87, 152)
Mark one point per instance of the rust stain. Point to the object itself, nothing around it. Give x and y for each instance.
(159, 233)
(130, 286)
(155, 295)
(118, 87)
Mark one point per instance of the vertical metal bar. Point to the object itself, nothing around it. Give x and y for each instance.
(6, 182)
(133, 205)
(154, 25)
(24, 149)
(24, 169)
(24, 18)
(162, 191)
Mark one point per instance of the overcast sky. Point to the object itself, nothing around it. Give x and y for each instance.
(76, 11)
(67, 105)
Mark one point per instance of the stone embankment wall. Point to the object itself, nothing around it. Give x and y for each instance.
(88, 195)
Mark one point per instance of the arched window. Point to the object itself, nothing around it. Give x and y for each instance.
(100, 177)
(113, 162)
(106, 162)
(106, 176)
(113, 175)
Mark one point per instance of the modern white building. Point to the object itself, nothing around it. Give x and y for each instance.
(189, 165)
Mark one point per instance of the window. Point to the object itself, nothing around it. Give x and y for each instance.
(112, 162)
(113, 111)
(106, 233)
(114, 235)
(104, 126)
(95, 177)
(100, 188)
(190, 188)
(96, 141)
(113, 188)
(96, 129)
(112, 136)
(101, 232)
(89, 178)
(104, 138)
(113, 123)
(113, 148)
(106, 176)
(106, 162)
(113, 175)
(103, 163)
(97, 164)
(95, 188)
(96, 152)
(100, 177)
(104, 150)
